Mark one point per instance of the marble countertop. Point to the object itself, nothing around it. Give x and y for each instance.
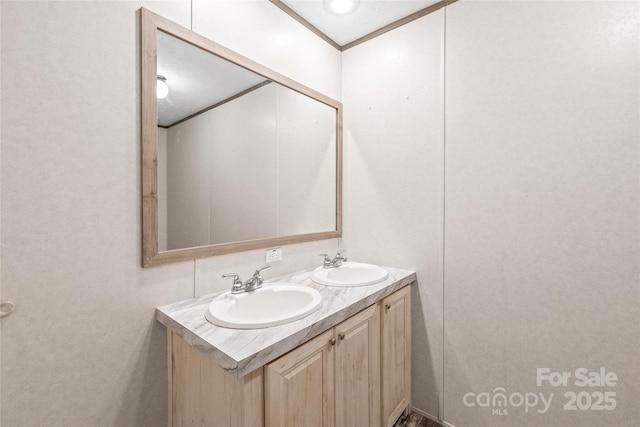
(242, 351)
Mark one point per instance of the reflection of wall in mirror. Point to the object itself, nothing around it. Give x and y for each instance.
(162, 189)
(243, 166)
(306, 164)
(272, 175)
(188, 176)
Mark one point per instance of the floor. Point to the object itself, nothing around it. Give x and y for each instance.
(417, 420)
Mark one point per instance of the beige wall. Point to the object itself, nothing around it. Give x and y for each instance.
(541, 185)
(394, 142)
(542, 257)
(83, 348)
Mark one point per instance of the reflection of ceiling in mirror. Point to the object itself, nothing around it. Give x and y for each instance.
(196, 79)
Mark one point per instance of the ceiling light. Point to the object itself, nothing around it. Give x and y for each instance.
(341, 7)
(162, 90)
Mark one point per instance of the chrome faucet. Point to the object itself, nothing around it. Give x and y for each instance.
(335, 262)
(249, 285)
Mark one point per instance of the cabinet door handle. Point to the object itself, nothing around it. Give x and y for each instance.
(341, 335)
(332, 341)
(387, 306)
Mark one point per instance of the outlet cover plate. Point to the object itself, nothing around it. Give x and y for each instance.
(273, 255)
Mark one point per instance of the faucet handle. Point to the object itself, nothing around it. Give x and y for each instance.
(339, 259)
(327, 260)
(256, 280)
(237, 283)
(257, 273)
(232, 275)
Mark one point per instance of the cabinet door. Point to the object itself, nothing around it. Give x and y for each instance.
(357, 369)
(396, 355)
(299, 386)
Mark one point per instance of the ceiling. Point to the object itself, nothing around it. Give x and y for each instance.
(369, 16)
(198, 80)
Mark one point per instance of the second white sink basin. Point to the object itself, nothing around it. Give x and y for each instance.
(350, 274)
(271, 305)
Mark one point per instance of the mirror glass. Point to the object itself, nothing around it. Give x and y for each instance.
(244, 158)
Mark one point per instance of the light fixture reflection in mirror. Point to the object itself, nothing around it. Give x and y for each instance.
(162, 90)
(238, 157)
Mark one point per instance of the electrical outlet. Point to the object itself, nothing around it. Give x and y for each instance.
(273, 255)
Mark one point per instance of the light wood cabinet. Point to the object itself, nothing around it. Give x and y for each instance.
(357, 369)
(333, 380)
(355, 374)
(396, 355)
(203, 394)
(299, 386)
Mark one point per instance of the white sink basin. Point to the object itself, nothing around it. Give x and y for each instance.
(271, 305)
(350, 274)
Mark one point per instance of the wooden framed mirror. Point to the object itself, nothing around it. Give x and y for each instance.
(236, 156)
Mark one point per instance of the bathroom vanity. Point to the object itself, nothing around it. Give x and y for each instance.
(347, 364)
